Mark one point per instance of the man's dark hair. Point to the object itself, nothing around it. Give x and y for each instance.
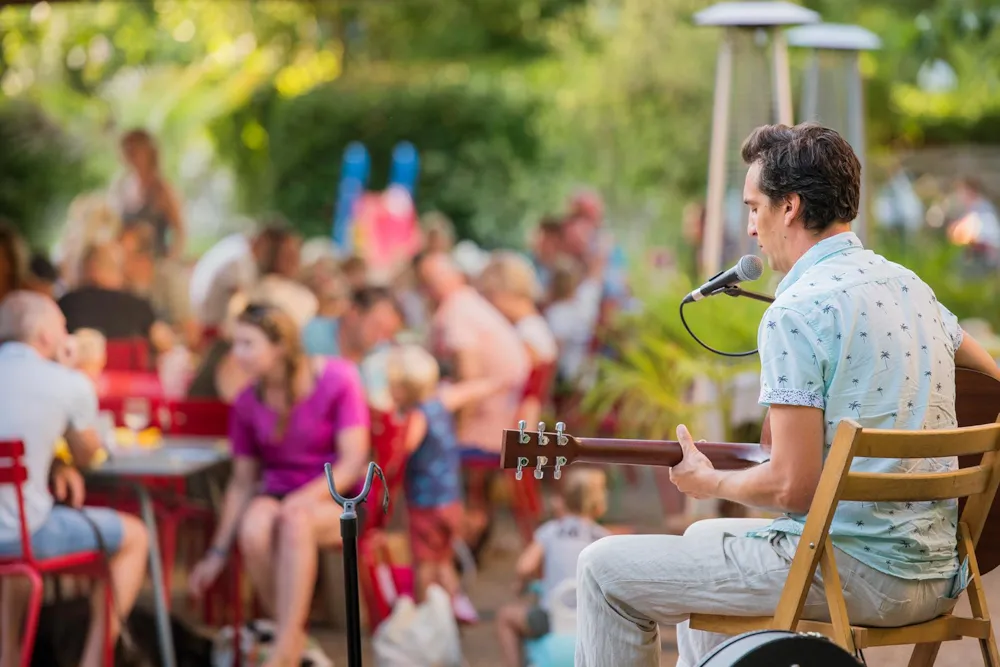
(271, 239)
(551, 225)
(812, 161)
(41, 268)
(366, 298)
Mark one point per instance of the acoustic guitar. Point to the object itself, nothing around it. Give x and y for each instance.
(977, 402)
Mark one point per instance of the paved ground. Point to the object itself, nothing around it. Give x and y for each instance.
(634, 505)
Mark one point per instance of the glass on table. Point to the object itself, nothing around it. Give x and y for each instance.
(135, 415)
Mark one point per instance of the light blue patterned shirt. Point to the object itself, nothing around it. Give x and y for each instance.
(866, 339)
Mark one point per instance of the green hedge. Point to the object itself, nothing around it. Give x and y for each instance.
(473, 144)
(41, 170)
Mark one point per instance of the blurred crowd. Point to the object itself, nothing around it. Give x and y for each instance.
(307, 344)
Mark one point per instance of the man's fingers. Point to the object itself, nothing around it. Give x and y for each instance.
(77, 492)
(59, 488)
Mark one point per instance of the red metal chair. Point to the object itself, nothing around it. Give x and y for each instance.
(197, 418)
(139, 384)
(86, 563)
(128, 354)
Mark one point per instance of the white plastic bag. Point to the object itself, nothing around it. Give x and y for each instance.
(424, 635)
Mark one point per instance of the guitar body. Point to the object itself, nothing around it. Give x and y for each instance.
(977, 402)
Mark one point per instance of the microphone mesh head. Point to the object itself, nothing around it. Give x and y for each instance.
(750, 267)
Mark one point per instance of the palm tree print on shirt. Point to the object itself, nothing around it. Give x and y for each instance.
(856, 406)
(782, 380)
(864, 335)
(885, 357)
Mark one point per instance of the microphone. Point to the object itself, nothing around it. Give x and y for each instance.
(750, 267)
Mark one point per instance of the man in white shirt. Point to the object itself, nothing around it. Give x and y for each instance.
(42, 401)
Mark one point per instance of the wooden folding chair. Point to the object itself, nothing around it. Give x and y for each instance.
(977, 483)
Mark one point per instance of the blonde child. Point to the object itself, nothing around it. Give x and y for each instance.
(89, 353)
(554, 551)
(432, 481)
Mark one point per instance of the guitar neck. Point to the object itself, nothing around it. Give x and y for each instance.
(723, 455)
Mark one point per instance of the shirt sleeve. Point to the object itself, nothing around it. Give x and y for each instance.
(83, 404)
(951, 326)
(350, 401)
(792, 360)
(242, 436)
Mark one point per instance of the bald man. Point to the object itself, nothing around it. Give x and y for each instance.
(103, 303)
(41, 402)
(473, 339)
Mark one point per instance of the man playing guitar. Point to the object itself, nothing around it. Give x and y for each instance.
(849, 335)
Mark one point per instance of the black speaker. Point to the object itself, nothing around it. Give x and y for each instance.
(778, 648)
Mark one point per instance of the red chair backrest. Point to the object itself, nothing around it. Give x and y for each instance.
(388, 441)
(141, 384)
(539, 383)
(196, 417)
(13, 472)
(130, 354)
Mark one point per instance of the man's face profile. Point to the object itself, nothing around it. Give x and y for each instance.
(765, 221)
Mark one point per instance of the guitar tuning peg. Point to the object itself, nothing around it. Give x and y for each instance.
(542, 460)
(560, 462)
(521, 425)
(522, 462)
(561, 438)
(542, 438)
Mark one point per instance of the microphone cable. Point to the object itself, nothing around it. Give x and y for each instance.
(706, 345)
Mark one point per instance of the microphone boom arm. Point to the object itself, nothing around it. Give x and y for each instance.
(735, 291)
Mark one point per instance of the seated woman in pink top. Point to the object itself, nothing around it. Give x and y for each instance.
(296, 415)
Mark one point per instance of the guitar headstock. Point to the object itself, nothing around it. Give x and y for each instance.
(537, 450)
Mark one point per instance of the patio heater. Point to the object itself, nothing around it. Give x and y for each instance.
(752, 88)
(832, 90)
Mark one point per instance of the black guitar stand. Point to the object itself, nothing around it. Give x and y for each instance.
(349, 533)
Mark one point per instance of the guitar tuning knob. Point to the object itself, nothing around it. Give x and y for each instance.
(542, 460)
(561, 438)
(522, 462)
(560, 462)
(542, 438)
(524, 438)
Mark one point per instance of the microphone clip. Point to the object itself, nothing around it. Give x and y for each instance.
(735, 291)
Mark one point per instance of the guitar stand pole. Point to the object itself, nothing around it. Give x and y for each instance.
(349, 533)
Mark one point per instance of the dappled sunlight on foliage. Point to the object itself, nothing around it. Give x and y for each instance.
(656, 361)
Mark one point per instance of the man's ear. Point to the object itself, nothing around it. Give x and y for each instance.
(791, 208)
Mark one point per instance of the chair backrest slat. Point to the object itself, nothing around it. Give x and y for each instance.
(893, 444)
(915, 487)
(13, 471)
(11, 448)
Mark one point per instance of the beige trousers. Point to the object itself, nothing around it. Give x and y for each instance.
(627, 585)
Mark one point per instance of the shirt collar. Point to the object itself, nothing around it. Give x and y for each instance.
(845, 241)
(14, 348)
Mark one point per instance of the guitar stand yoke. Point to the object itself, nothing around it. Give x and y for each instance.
(349, 533)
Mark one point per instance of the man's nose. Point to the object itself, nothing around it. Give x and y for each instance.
(751, 229)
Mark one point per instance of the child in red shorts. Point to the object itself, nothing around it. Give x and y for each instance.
(432, 480)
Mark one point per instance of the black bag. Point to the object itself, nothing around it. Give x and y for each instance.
(63, 627)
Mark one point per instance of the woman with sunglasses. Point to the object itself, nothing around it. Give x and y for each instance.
(297, 414)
